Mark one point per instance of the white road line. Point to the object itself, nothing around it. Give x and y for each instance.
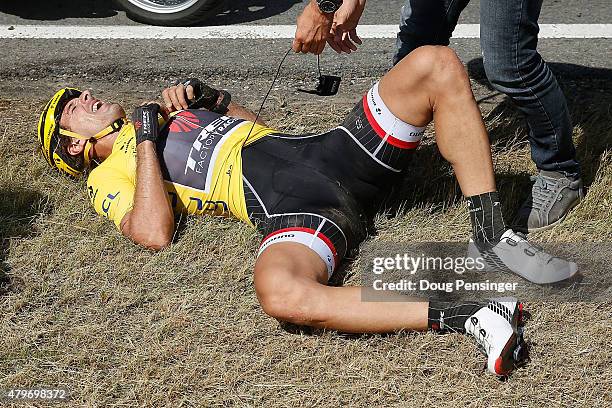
(264, 31)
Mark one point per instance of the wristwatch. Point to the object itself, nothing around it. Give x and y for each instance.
(329, 6)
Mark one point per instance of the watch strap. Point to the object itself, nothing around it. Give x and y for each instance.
(329, 6)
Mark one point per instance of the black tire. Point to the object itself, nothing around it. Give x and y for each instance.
(195, 14)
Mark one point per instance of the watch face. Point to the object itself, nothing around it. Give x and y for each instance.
(328, 6)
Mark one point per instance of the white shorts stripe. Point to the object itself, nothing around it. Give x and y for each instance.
(312, 241)
(388, 122)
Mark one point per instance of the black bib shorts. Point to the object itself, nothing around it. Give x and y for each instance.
(320, 190)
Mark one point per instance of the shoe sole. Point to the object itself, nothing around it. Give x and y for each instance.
(505, 362)
(513, 354)
(514, 350)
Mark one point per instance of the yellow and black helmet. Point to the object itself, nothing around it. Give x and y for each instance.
(49, 132)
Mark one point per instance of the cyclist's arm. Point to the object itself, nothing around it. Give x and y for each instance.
(151, 221)
(238, 111)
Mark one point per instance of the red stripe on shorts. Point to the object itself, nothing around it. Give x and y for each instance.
(381, 133)
(326, 240)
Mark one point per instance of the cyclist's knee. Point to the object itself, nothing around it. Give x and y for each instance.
(447, 74)
(438, 65)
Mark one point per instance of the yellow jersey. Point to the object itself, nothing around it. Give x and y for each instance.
(200, 155)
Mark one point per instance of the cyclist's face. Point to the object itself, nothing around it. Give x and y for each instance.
(87, 115)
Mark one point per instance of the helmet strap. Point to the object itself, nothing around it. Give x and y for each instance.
(113, 127)
(86, 152)
(89, 141)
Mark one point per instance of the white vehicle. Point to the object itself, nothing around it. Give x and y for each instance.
(170, 12)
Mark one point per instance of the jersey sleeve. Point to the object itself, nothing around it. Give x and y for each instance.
(111, 192)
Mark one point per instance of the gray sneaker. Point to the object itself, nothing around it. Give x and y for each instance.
(552, 196)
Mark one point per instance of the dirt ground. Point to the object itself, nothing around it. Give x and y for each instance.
(84, 309)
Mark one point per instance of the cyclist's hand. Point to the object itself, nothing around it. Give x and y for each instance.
(177, 97)
(343, 30)
(313, 30)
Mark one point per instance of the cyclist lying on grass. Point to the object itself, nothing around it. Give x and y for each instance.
(311, 196)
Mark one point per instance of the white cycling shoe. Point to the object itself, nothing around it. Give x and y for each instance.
(514, 253)
(495, 329)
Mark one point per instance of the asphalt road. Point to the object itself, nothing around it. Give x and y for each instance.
(273, 12)
(248, 65)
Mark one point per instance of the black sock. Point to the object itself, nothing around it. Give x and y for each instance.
(446, 316)
(487, 220)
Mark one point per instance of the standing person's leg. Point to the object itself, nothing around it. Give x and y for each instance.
(426, 22)
(509, 38)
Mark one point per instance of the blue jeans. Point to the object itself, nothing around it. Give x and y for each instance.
(508, 39)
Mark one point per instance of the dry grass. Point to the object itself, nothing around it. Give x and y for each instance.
(83, 308)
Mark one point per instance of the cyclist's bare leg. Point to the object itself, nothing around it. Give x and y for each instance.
(431, 83)
(290, 281)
